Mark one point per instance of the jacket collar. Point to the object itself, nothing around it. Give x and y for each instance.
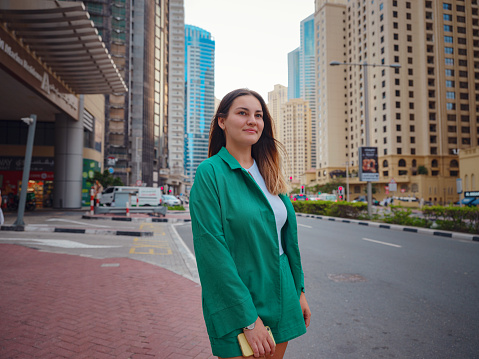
(229, 159)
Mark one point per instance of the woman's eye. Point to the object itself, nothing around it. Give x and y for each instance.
(259, 115)
(242, 113)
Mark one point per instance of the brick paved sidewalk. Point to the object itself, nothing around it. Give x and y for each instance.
(64, 306)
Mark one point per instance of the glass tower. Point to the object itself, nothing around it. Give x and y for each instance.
(293, 74)
(200, 97)
(307, 86)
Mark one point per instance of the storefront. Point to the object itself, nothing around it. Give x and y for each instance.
(54, 65)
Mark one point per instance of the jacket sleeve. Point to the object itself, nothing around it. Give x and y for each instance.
(227, 302)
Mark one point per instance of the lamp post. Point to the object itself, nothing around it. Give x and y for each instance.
(31, 122)
(365, 66)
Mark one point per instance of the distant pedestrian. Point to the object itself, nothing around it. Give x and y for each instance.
(245, 234)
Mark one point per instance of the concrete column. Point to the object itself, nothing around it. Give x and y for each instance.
(68, 161)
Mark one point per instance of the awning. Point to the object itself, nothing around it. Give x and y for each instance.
(62, 35)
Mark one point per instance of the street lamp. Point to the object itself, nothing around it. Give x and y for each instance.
(365, 66)
(31, 122)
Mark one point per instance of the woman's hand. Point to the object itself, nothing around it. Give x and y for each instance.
(305, 309)
(260, 340)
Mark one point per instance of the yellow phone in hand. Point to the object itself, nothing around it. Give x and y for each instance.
(245, 347)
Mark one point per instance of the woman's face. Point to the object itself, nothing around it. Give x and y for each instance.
(244, 124)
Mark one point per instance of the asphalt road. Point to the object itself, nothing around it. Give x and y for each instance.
(378, 293)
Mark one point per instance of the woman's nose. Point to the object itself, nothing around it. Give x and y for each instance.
(251, 119)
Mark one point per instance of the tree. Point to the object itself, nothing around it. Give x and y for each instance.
(106, 179)
(422, 170)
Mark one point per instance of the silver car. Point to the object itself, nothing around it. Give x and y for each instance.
(170, 200)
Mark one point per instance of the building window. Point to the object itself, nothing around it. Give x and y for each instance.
(449, 72)
(448, 50)
(450, 106)
(447, 6)
(447, 17)
(450, 83)
(448, 39)
(449, 61)
(447, 28)
(450, 95)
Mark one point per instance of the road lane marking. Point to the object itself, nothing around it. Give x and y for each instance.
(303, 225)
(69, 221)
(386, 244)
(59, 243)
(152, 247)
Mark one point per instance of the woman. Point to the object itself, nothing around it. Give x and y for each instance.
(245, 234)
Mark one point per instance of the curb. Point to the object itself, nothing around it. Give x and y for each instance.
(455, 235)
(33, 228)
(139, 219)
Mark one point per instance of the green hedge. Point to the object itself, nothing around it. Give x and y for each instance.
(401, 215)
(333, 209)
(461, 219)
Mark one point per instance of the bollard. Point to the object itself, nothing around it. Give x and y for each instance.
(128, 209)
(92, 202)
(137, 201)
(98, 199)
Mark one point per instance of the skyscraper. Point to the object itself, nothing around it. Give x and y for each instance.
(421, 114)
(293, 74)
(176, 97)
(307, 77)
(200, 97)
(276, 99)
(296, 130)
(136, 145)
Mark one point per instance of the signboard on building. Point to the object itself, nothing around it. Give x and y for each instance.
(15, 58)
(368, 164)
(393, 186)
(471, 194)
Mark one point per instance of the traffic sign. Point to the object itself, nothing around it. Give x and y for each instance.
(111, 170)
(138, 183)
(393, 186)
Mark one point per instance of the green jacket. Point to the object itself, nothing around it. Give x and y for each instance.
(236, 246)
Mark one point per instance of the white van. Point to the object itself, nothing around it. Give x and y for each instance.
(147, 196)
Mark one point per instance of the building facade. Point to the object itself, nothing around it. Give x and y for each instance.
(294, 90)
(63, 73)
(307, 81)
(200, 98)
(296, 130)
(176, 99)
(276, 99)
(419, 115)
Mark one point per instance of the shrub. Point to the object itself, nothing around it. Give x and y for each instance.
(176, 208)
(462, 219)
(402, 216)
(333, 209)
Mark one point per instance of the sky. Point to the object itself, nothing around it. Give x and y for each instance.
(252, 39)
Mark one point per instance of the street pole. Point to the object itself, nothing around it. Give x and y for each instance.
(347, 180)
(366, 125)
(31, 122)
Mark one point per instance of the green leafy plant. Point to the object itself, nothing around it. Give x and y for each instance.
(106, 179)
(422, 170)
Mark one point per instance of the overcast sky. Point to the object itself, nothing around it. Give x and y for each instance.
(253, 38)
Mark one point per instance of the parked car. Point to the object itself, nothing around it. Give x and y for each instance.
(300, 197)
(169, 200)
(147, 196)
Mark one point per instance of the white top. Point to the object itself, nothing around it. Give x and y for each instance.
(279, 209)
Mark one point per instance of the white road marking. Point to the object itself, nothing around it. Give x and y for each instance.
(70, 221)
(57, 243)
(386, 244)
(303, 225)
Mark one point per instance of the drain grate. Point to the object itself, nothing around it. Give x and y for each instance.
(346, 277)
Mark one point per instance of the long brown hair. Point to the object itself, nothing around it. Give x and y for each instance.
(265, 151)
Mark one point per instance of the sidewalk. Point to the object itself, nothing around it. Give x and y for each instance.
(66, 306)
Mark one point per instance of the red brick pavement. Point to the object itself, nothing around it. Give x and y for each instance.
(64, 306)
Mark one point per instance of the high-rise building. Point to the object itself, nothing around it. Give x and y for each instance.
(200, 96)
(419, 115)
(307, 81)
(112, 20)
(176, 98)
(276, 99)
(136, 126)
(293, 74)
(296, 130)
(149, 96)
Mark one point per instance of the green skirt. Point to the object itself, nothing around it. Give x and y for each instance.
(289, 327)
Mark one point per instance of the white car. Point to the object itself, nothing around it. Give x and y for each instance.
(170, 200)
